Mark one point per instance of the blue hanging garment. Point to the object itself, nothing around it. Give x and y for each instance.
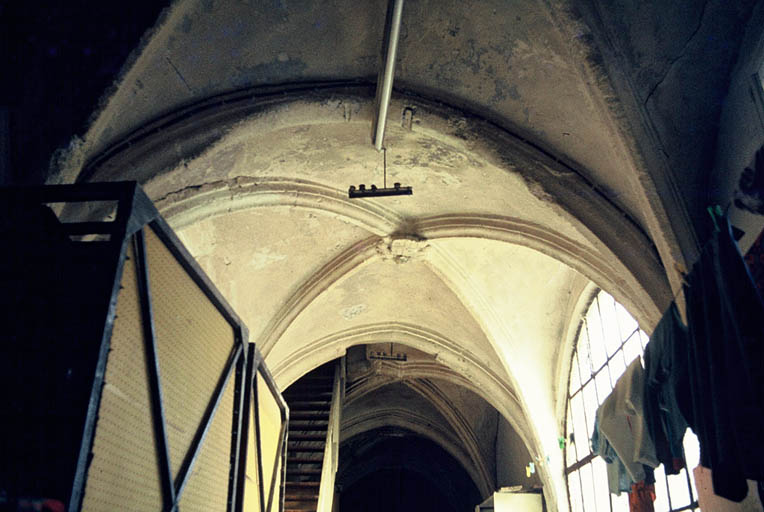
(666, 377)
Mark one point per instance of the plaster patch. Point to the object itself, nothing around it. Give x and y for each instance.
(353, 311)
(265, 257)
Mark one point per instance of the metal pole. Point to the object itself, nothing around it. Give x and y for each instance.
(385, 85)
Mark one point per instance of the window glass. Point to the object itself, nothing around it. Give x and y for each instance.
(608, 340)
(610, 325)
(579, 426)
(679, 490)
(574, 488)
(643, 339)
(570, 448)
(590, 407)
(661, 494)
(621, 503)
(626, 322)
(596, 339)
(617, 367)
(603, 385)
(601, 494)
(575, 382)
(587, 486)
(632, 349)
(692, 456)
(582, 349)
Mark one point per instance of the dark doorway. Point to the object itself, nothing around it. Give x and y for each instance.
(392, 469)
(395, 490)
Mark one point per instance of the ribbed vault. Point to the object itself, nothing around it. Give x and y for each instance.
(246, 122)
(476, 268)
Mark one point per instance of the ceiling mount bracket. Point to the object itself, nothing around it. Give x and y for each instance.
(374, 191)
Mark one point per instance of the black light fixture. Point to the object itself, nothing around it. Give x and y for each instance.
(374, 191)
(384, 356)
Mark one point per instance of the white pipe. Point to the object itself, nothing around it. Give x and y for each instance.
(386, 88)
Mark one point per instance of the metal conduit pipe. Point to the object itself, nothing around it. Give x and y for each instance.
(385, 84)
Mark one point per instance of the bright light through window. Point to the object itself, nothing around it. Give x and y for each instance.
(608, 340)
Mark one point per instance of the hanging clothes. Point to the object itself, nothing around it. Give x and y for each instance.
(726, 366)
(618, 479)
(622, 423)
(666, 376)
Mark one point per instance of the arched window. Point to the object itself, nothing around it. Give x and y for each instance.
(608, 340)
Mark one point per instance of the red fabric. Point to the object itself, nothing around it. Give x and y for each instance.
(641, 497)
(40, 505)
(53, 506)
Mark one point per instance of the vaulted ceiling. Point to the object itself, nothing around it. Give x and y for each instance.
(535, 147)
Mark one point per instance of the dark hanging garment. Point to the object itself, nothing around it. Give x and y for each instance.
(666, 377)
(726, 366)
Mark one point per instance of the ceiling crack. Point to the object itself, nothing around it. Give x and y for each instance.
(680, 55)
(177, 71)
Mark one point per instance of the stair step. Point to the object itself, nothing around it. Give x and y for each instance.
(302, 493)
(315, 435)
(308, 504)
(303, 484)
(308, 415)
(306, 449)
(311, 424)
(300, 506)
(297, 437)
(308, 493)
(295, 471)
(310, 405)
(304, 460)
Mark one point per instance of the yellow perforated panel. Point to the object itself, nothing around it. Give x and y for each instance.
(193, 343)
(270, 429)
(251, 489)
(124, 472)
(207, 487)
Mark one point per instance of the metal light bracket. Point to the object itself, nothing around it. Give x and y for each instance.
(374, 191)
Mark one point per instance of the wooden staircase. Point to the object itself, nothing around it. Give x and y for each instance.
(309, 401)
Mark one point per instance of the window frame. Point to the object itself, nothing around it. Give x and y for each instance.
(574, 468)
